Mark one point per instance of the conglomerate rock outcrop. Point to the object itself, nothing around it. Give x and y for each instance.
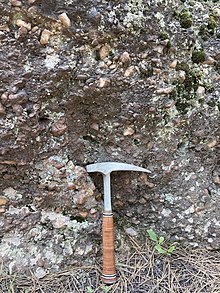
(90, 81)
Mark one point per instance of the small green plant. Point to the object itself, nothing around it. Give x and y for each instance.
(198, 56)
(159, 240)
(106, 289)
(11, 286)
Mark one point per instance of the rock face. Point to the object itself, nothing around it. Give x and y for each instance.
(90, 81)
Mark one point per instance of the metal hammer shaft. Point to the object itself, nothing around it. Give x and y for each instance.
(107, 192)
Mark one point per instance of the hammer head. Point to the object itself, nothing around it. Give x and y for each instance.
(108, 167)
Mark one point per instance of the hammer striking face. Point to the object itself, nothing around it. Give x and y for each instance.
(109, 272)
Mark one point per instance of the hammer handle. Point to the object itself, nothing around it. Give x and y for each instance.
(109, 272)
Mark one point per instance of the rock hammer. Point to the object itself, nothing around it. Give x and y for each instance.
(109, 275)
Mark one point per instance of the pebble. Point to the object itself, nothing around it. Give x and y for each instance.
(165, 91)
(52, 186)
(182, 75)
(166, 212)
(16, 3)
(18, 98)
(9, 162)
(142, 200)
(152, 109)
(60, 222)
(216, 77)
(156, 70)
(21, 23)
(64, 19)
(71, 186)
(156, 62)
(150, 184)
(4, 97)
(40, 263)
(95, 126)
(173, 64)
(40, 273)
(82, 77)
(22, 32)
(169, 104)
(2, 109)
(128, 131)
(3, 201)
(32, 10)
(217, 179)
(17, 109)
(45, 37)
(4, 27)
(104, 52)
(84, 215)
(93, 211)
(103, 82)
(59, 128)
(144, 178)
(199, 133)
(136, 222)
(165, 42)
(212, 143)
(145, 55)
(129, 71)
(125, 57)
(80, 251)
(200, 91)
(216, 10)
(113, 66)
(108, 63)
(209, 61)
(80, 199)
(34, 29)
(131, 232)
(159, 49)
(2, 210)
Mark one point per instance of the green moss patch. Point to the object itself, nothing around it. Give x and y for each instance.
(207, 30)
(198, 56)
(185, 91)
(185, 18)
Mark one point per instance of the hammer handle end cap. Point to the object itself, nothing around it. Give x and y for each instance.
(109, 279)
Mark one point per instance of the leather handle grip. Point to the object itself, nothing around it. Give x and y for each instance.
(109, 272)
